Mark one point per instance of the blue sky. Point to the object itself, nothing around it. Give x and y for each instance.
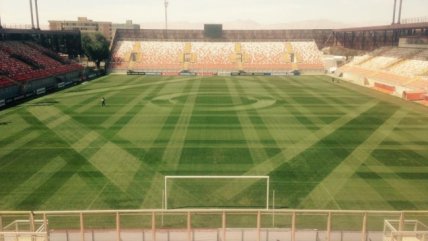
(213, 11)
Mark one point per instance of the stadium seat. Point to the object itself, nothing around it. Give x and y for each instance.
(212, 56)
(21, 61)
(308, 51)
(388, 58)
(175, 56)
(414, 66)
(398, 67)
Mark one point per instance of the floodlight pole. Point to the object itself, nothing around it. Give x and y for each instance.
(395, 10)
(31, 11)
(37, 14)
(399, 12)
(166, 14)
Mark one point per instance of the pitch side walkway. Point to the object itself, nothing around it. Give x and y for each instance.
(274, 234)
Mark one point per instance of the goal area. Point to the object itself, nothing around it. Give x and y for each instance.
(216, 192)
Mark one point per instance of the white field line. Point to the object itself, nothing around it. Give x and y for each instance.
(174, 148)
(236, 181)
(146, 139)
(293, 150)
(250, 133)
(331, 197)
(226, 190)
(216, 177)
(97, 101)
(155, 192)
(114, 118)
(337, 179)
(150, 123)
(337, 106)
(315, 119)
(124, 87)
(276, 123)
(81, 103)
(253, 142)
(404, 189)
(97, 196)
(154, 199)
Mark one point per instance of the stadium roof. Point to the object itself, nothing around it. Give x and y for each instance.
(385, 27)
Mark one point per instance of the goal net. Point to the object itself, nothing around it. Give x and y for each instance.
(216, 192)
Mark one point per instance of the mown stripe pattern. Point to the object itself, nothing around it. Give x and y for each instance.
(324, 145)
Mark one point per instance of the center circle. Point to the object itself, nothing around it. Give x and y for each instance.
(209, 101)
(219, 100)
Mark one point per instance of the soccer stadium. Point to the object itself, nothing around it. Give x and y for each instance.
(215, 134)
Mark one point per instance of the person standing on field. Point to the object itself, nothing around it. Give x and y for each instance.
(103, 101)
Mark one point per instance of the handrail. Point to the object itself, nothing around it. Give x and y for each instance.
(216, 210)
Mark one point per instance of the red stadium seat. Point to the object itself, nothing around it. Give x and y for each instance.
(27, 61)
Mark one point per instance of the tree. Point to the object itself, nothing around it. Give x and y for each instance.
(96, 47)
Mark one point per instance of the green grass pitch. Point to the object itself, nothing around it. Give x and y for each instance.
(324, 145)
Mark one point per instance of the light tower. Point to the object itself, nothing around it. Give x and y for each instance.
(395, 10)
(0, 17)
(400, 7)
(166, 14)
(31, 10)
(399, 11)
(37, 14)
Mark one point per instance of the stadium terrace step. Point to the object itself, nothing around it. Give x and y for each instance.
(27, 61)
(214, 56)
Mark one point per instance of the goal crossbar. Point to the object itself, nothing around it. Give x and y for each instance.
(165, 196)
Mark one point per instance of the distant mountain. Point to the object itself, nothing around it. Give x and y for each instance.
(249, 24)
(309, 24)
(172, 25)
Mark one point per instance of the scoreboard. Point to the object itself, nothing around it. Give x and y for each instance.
(213, 30)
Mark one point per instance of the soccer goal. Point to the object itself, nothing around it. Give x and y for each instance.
(216, 192)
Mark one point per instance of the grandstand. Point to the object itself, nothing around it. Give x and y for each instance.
(393, 70)
(28, 69)
(158, 56)
(174, 51)
(23, 61)
(254, 51)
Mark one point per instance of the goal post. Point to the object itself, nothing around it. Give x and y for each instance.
(233, 180)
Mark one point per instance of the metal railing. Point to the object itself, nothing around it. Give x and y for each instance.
(203, 224)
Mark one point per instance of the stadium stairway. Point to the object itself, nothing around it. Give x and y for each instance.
(402, 59)
(407, 84)
(215, 56)
(373, 55)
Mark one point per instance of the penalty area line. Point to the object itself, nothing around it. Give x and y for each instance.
(98, 195)
(331, 196)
